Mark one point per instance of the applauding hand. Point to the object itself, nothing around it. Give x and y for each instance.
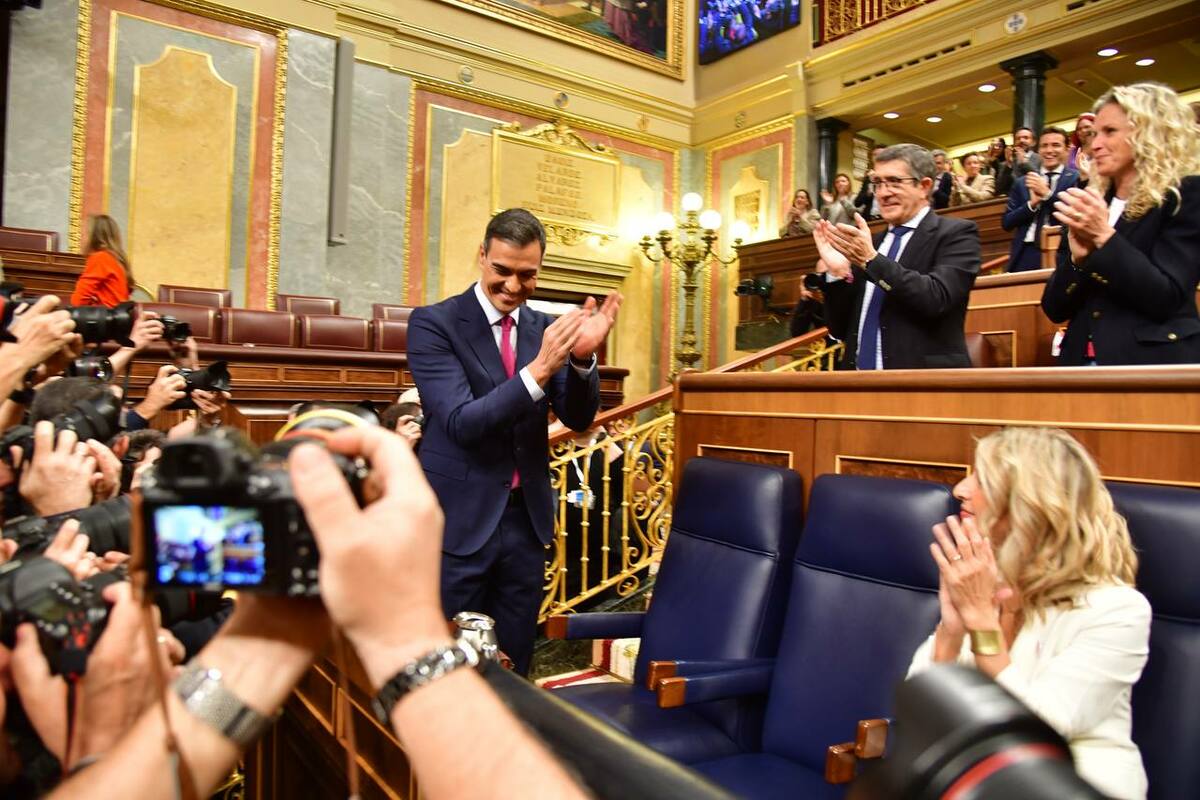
(595, 326)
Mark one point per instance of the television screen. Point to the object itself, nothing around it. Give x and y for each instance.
(729, 25)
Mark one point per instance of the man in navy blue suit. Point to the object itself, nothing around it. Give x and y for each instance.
(489, 370)
(1031, 201)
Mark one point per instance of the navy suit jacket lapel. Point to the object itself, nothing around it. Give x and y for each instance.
(480, 337)
(916, 251)
(529, 337)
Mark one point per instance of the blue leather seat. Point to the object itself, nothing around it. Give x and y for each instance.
(863, 598)
(1165, 525)
(719, 594)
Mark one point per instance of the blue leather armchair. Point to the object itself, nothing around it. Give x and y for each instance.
(863, 597)
(719, 595)
(1165, 525)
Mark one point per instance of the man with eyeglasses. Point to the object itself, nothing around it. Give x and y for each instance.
(898, 298)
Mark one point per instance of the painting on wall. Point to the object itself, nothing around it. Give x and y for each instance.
(648, 33)
(727, 26)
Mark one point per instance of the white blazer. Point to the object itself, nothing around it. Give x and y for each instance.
(1075, 668)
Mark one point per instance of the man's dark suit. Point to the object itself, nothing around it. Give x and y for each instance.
(925, 301)
(943, 186)
(479, 426)
(865, 200)
(1135, 296)
(1023, 256)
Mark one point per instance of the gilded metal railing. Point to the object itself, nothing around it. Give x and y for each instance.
(615, 486)
(840, 18)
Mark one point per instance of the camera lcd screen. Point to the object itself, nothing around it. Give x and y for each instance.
(209, 545)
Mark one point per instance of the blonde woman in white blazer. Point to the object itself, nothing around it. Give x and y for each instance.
(1037, 592)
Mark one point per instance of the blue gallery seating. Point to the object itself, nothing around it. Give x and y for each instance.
(863, 597)
(1165, 525)
(719, 595)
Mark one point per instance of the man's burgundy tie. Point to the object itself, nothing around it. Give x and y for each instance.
(508, 357)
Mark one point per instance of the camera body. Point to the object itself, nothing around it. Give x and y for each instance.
(814, 281)
(213, 378)
(98, 419)
(175, 330)
(69, 615)
(216, 514)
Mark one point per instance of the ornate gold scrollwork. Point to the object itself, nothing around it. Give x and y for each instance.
(557, 132)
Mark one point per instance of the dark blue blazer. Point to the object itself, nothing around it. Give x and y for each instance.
(480, 425)
(1135, 297)
(1018, 216)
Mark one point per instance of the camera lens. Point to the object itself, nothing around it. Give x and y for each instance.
(99, 324)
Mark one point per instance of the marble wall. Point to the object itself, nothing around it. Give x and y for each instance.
(307, 145)
(369, 268)
(41, 96)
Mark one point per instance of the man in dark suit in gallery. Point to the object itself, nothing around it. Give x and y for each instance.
(489, 369)
(1031, 201)
(898, 298)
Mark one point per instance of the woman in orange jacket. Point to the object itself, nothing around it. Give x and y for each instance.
(107, 278)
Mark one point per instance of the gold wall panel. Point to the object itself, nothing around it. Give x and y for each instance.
(181, 171)
(573, 186)
(466, 167)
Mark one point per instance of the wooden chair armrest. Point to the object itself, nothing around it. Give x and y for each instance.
(556, 627)
(657, 671)
(840, 762)
(871, 739)
(671, 692)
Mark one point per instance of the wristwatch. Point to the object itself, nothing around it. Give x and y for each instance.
(201, 691)
(435, 664)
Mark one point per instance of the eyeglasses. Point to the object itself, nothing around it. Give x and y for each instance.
(892, 183)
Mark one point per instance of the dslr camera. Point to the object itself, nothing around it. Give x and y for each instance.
(99, 419)
(175, 330)
(69, 615)
(213, 378)
(106, 525)
(216, 513)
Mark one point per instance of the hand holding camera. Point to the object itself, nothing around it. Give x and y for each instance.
(169, 387)
(379, 563)
(58, 477)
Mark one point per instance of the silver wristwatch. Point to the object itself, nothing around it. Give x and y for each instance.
(201, 691)
(426, 669)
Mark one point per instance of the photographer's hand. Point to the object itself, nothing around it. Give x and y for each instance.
(168, 387)
(59, 476)
(146, 330)
(210, 406)
(379, 580)
(379, 564)
(410, 430)
(69, 547)
(106, 482)
(117, 687)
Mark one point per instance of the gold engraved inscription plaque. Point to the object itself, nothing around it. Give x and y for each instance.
(572, 186)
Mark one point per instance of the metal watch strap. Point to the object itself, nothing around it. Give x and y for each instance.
(201, 691)
(424, 670)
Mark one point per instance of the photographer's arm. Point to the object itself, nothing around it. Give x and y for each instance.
(168, 387)
(379, 580)
(262, 652)
(147, 329)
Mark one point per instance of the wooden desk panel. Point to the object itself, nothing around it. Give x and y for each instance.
(1140, 424)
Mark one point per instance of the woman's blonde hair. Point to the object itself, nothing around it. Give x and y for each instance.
(1163, 135)
(105, 234)
(1062, 533)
